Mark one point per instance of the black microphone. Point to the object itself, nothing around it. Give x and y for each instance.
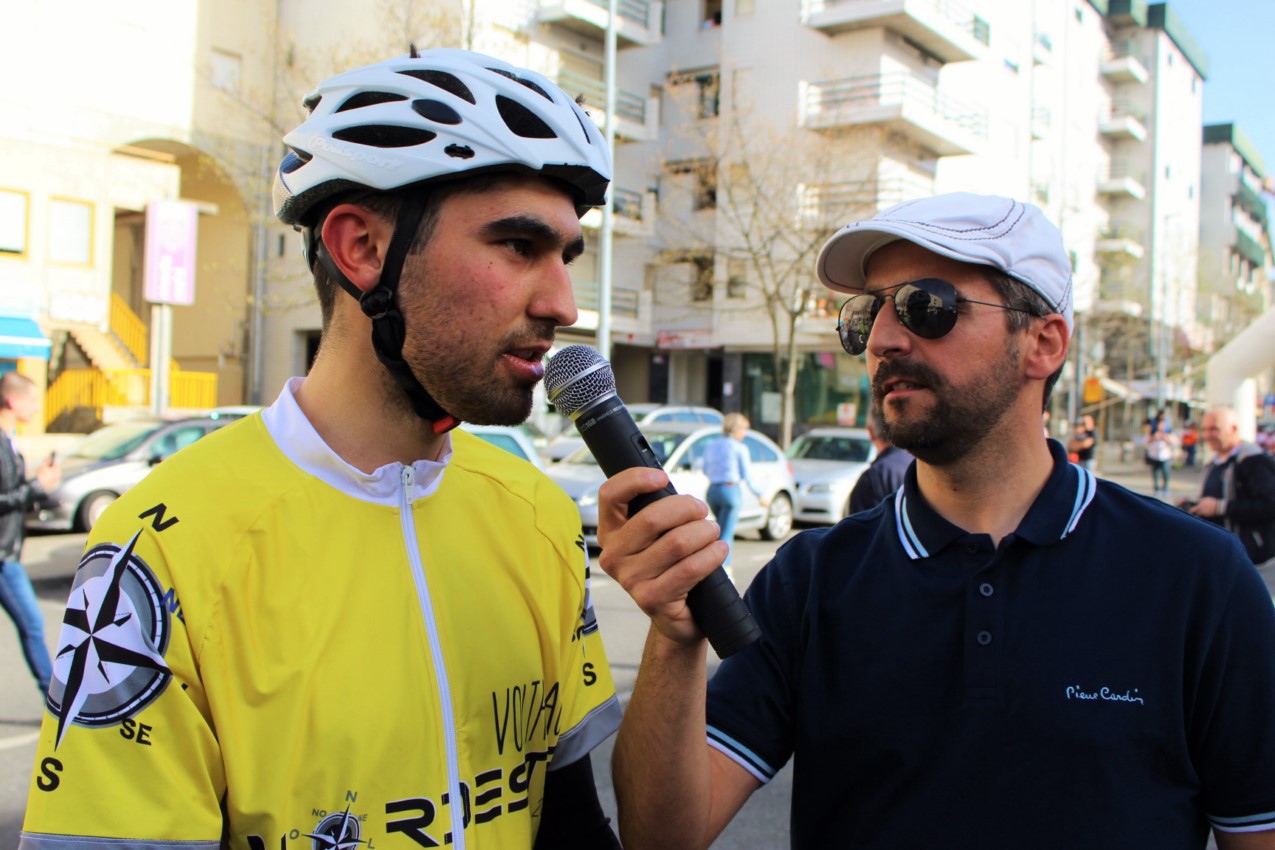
(581, 385)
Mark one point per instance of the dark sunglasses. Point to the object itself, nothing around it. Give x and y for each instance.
(925, 307)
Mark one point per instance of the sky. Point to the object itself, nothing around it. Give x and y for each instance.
(1237, 36)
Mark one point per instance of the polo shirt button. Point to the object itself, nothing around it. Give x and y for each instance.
(971, 548)
(984, 638)
(986, 589)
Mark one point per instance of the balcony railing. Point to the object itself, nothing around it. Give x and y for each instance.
(638, 21)
(834, 204)
(947, 29)
(624, 302)
(99, 388)
(1120, 240)
(129, 329)
(902, 100)
(1122, 179)
(1125, 121)
(628, 106)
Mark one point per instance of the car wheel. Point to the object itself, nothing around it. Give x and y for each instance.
(92, 507)
(778, 518)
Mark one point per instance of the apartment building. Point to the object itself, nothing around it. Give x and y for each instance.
(1235, 228)
(746, 132)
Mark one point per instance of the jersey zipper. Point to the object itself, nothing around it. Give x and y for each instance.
(456, 803)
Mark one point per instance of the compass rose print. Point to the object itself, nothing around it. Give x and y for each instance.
(338, 831)
(110, 659)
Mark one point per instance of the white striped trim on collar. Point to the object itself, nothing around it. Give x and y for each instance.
(907, 535)
(1086, 487)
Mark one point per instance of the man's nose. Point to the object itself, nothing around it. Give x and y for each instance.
(555, 296)
(888, 336)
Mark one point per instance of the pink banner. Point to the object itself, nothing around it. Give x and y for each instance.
(170, 252)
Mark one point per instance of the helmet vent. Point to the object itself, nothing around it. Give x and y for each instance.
(384, 136)
(294, 160)
(444, 81)
(436, 111)
(369, 98)
(528, 83)
(521, 120)
(459, 151)
(311, 102)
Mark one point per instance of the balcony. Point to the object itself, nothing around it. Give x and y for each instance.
(1123, 122)
(1042, 119)
(1120, 181)
(902, 102)
(833, 204)
(637, 118)
(1250, 249)
(1120, 242)
(625, 304)
(945, 29)
(633, 213)
(1122, 65)
(1042, 49)
(639, 22)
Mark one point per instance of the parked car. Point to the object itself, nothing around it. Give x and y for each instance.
(826, 462)
(680, 449)
(109, 461)
(643, 413)
(512, 439)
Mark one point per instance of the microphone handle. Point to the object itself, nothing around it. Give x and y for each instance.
(617, 444)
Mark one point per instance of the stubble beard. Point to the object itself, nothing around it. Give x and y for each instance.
(959, 418)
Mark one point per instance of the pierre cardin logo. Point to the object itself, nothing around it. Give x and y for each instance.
(1102, 693)
(110, 659)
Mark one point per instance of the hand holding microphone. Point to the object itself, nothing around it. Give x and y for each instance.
(580, 383)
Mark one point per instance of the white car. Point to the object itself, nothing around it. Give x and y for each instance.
(827, 462)
(643, 413)
(680, 448)
(512, 439)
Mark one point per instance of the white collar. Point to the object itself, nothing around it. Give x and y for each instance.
(296, 438)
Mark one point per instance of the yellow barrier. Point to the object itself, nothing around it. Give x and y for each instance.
(99, 388)
(131, 331)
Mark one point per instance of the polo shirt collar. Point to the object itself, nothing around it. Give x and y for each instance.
(1054, 515)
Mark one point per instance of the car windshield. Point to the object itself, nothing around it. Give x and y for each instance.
(828, 447)
(662, 444)
(114, 441)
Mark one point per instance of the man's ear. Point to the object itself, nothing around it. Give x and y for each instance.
(1047, 351)
(357, 238)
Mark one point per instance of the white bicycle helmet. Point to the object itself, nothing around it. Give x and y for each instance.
(431, 116)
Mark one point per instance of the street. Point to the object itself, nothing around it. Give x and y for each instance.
(51, 561)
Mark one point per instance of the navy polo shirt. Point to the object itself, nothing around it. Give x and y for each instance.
(1103, 678)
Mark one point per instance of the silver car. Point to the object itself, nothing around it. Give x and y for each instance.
(680, 448)
(513, 439)
(643, 413)
(826, 463)
(108, 462)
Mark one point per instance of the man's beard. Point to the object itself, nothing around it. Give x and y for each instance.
(959, 418)
(469, 386)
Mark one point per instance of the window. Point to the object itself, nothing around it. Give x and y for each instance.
(736, 279)
(703, 176)
(226, 69)
(712, 14)
(706, 102)
(13, 222)
(70, 232)
(702, 284)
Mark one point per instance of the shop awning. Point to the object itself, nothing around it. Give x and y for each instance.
(22, 337)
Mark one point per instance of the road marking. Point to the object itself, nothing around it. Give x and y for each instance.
(19, 740)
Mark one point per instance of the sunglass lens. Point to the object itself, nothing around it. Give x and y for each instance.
(856, 322)
(927, 307)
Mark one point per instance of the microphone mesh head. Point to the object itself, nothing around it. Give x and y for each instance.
(577, 376)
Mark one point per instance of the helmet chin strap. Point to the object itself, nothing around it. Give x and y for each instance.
(380, 304)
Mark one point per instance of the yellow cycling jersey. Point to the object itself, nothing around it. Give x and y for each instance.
(267, 648)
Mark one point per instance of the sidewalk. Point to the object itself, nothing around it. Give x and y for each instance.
(1184, 482)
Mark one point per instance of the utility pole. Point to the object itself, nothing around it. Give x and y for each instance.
(608, 224)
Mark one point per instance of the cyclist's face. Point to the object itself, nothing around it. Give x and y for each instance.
(483, 299)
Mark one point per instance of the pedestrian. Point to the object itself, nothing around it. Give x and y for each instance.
(1190, 442)
(19, 401)
(1009, 652)
(729, 470)
(1238, 490)
(886, 472)
(1159, 456)
(340, 618)
(1083, 445)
